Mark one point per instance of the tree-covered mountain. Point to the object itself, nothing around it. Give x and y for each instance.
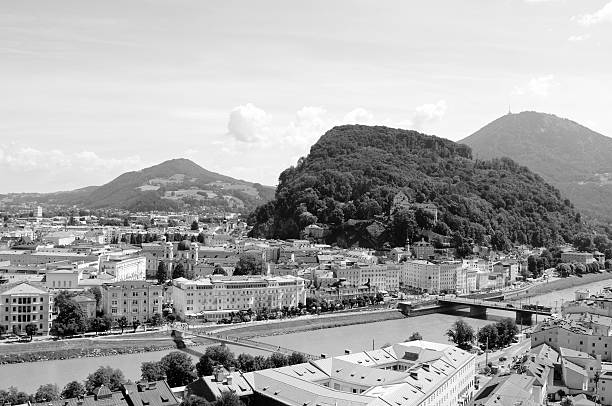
(171, 185)
(353, 174)
(572, 157)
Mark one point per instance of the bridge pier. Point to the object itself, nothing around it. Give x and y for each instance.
(478, 312)
(524, 318)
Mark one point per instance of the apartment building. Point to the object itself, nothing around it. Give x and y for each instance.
(124, 268)
(136, 300)
(432, 277)
(23, 303)
(216, 297)
(383, 277)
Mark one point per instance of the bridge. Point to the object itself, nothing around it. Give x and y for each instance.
(478, 308)
(179, 333)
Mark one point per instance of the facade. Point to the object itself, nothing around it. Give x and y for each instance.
(125, 268)
(577, 257)
(431, 277)
(24, 303)
(216, 297)
(136, 300)
(383, 277)
(423, 250)
(63, 278)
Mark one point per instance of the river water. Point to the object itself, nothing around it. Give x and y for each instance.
(332, 341)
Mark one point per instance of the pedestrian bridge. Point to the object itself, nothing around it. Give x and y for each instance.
(478, 308)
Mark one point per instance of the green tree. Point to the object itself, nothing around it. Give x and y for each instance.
(245, 362)
(101, 324)
(72, 390)
(31, 329)
(123, 323)
(415, 336)
(2, 329)
(205, 366)
(47, 393)
(506, 330)
(195, 226)
(277, 360)
(219, 270)
(13, 397)
(97, 293)
(178, 368)
(228, 398)
(71, 320)
(178, 271)
(162, 272)
(135, 325)
(220, 354)
(296, 358)
(107, 376)
(462, 334)
(194, 400)
(487, 336)
(152, 371)
(248, 265)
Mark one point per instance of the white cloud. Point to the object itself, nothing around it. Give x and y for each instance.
(540, 86)
(602, 15)
(423, 116)
(248, 123)
(24, 158)
(578, 38)
(358, 116)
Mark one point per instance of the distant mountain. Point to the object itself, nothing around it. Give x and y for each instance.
(572, 157)
(171, 185)
(350, 183)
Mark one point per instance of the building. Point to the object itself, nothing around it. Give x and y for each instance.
(217, 297)
(577, 257)
(86, 303)
(63, 278)
(417, 373)
(136, 394)
(383, 277)
(432, 277)
(124, 268)
(24, 303)
(136, 300)
(423, 250)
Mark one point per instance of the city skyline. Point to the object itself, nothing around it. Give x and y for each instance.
(93, 90)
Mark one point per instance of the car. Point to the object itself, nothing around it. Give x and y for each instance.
(503, 358)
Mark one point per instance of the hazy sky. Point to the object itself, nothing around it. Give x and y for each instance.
(90, 89)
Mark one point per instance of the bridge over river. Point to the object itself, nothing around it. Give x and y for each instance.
(478, 308)
(179, 333)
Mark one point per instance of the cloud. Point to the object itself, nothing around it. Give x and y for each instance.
(424, 116)
(578, 38)
(248, 123)
(23, 158)
(602, 15)
(540, 86)
(358, 116)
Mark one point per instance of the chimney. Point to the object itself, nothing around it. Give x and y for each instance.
(347, 351)
(230, 380)
(323, 355)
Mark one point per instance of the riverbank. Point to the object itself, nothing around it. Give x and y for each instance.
(88, 348)
(565, 283)
(296, 326)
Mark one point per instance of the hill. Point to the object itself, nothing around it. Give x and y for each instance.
(170, 185)
(572, 157)
(351, 179)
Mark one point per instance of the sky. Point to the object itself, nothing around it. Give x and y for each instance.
(91, 89)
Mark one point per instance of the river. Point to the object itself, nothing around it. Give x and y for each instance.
(333, 341)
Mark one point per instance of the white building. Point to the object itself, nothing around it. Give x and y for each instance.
(136, 300)
(216, 297)
(383, 277)
(124, 268)
(431, 277)
(23, 303)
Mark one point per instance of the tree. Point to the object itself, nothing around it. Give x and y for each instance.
(221, 354)
(228, 398)
(152, 371)
(73, 389)
(123, 323)
(178, 271)
(13, 396)
(583, 242)
(31, 329)
(506, 330)
(462, 334)
(219, 270)
(487, 336)
(205, 366)
(277, 360)
(195, 226)
(107, 376)
(156, 319)
(101, 324)
(135, 325)
(2, 329)
(194, 400)
(97, 293)
(248, 265)
(296, 358)
(246, 362)
(162, 272)
(415, 336)
(178, 368)
(47, 393)
(71, 320)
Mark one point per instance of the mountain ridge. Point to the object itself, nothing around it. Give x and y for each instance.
(573, 157)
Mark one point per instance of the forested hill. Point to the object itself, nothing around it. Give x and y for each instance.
(354, 172)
